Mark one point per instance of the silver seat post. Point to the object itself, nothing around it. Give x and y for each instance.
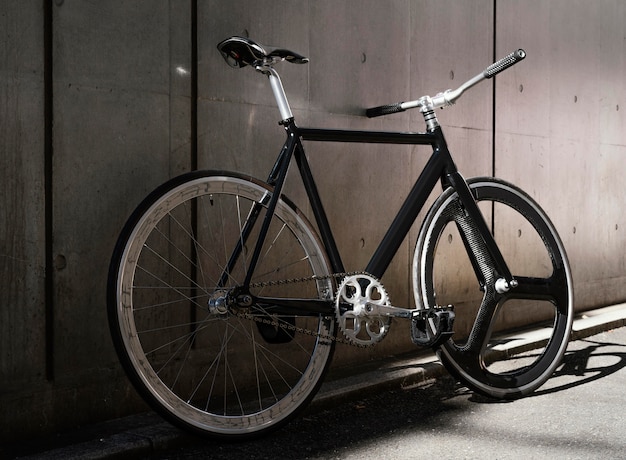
(278, 90)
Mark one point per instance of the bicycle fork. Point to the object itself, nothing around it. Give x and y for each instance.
(478, 232)
(433, 326)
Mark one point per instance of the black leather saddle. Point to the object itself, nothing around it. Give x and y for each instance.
(241, 51)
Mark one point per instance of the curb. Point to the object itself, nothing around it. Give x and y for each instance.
(145, 434)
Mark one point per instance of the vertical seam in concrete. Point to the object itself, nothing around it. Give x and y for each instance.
(193, 133)
(48, 190)
(493, 110)
(493, 94)
(194, 86)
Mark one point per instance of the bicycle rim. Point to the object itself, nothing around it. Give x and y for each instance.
(505, 344)
(216, 372)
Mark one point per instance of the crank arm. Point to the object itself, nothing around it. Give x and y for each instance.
(373, 309)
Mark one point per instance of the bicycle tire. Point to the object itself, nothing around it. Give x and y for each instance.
(213, 373)
(491, 351)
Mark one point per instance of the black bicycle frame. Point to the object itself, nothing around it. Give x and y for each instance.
(440, 167)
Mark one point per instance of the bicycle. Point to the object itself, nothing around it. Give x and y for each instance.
(225, 303)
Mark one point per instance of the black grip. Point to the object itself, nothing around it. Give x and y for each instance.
(504, 63)
(384, 110)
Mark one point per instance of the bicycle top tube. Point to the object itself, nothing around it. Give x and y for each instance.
(369, 137)
(241, 52)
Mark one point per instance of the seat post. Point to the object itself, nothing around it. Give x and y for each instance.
(278, 90)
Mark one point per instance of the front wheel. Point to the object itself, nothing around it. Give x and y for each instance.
(506, 344)
(200, 359)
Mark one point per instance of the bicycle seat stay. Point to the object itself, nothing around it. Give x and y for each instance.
(241, 51)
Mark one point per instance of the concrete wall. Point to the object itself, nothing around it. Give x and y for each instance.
(97, 108)
(565, 142)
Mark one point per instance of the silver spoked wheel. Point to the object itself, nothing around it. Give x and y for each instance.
(505, 344)
(196, 357)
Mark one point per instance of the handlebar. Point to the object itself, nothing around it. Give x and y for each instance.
(449, 97)
(504, 63)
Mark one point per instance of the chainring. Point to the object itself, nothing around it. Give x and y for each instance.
(355, 318)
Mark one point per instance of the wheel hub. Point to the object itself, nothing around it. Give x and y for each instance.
(218, 302)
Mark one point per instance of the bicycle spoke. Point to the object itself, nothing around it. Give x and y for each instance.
(549, 289)
(166, 284)
(219, 354)
(483, 326)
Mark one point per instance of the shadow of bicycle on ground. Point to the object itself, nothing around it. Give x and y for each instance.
(596, 360)
(587, 360)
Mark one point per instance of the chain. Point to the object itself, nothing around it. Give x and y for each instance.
(305, 279)
(300, 330)
(293, 328)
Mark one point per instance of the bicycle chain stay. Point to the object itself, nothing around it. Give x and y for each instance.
(291, 327)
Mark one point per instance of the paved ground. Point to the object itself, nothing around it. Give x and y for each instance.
(412, 409)
(578, 415)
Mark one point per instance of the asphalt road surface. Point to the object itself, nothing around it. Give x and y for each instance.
(578, 414)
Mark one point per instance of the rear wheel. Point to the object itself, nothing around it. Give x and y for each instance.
(199, 359)
(506, 344)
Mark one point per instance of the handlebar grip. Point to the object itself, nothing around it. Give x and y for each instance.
(504, 63)
(384, 110)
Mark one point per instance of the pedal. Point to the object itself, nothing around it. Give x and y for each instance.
(432, 327)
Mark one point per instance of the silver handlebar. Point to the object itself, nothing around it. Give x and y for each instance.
(449, 96)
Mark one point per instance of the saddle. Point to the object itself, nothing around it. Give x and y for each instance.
(241, 51)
